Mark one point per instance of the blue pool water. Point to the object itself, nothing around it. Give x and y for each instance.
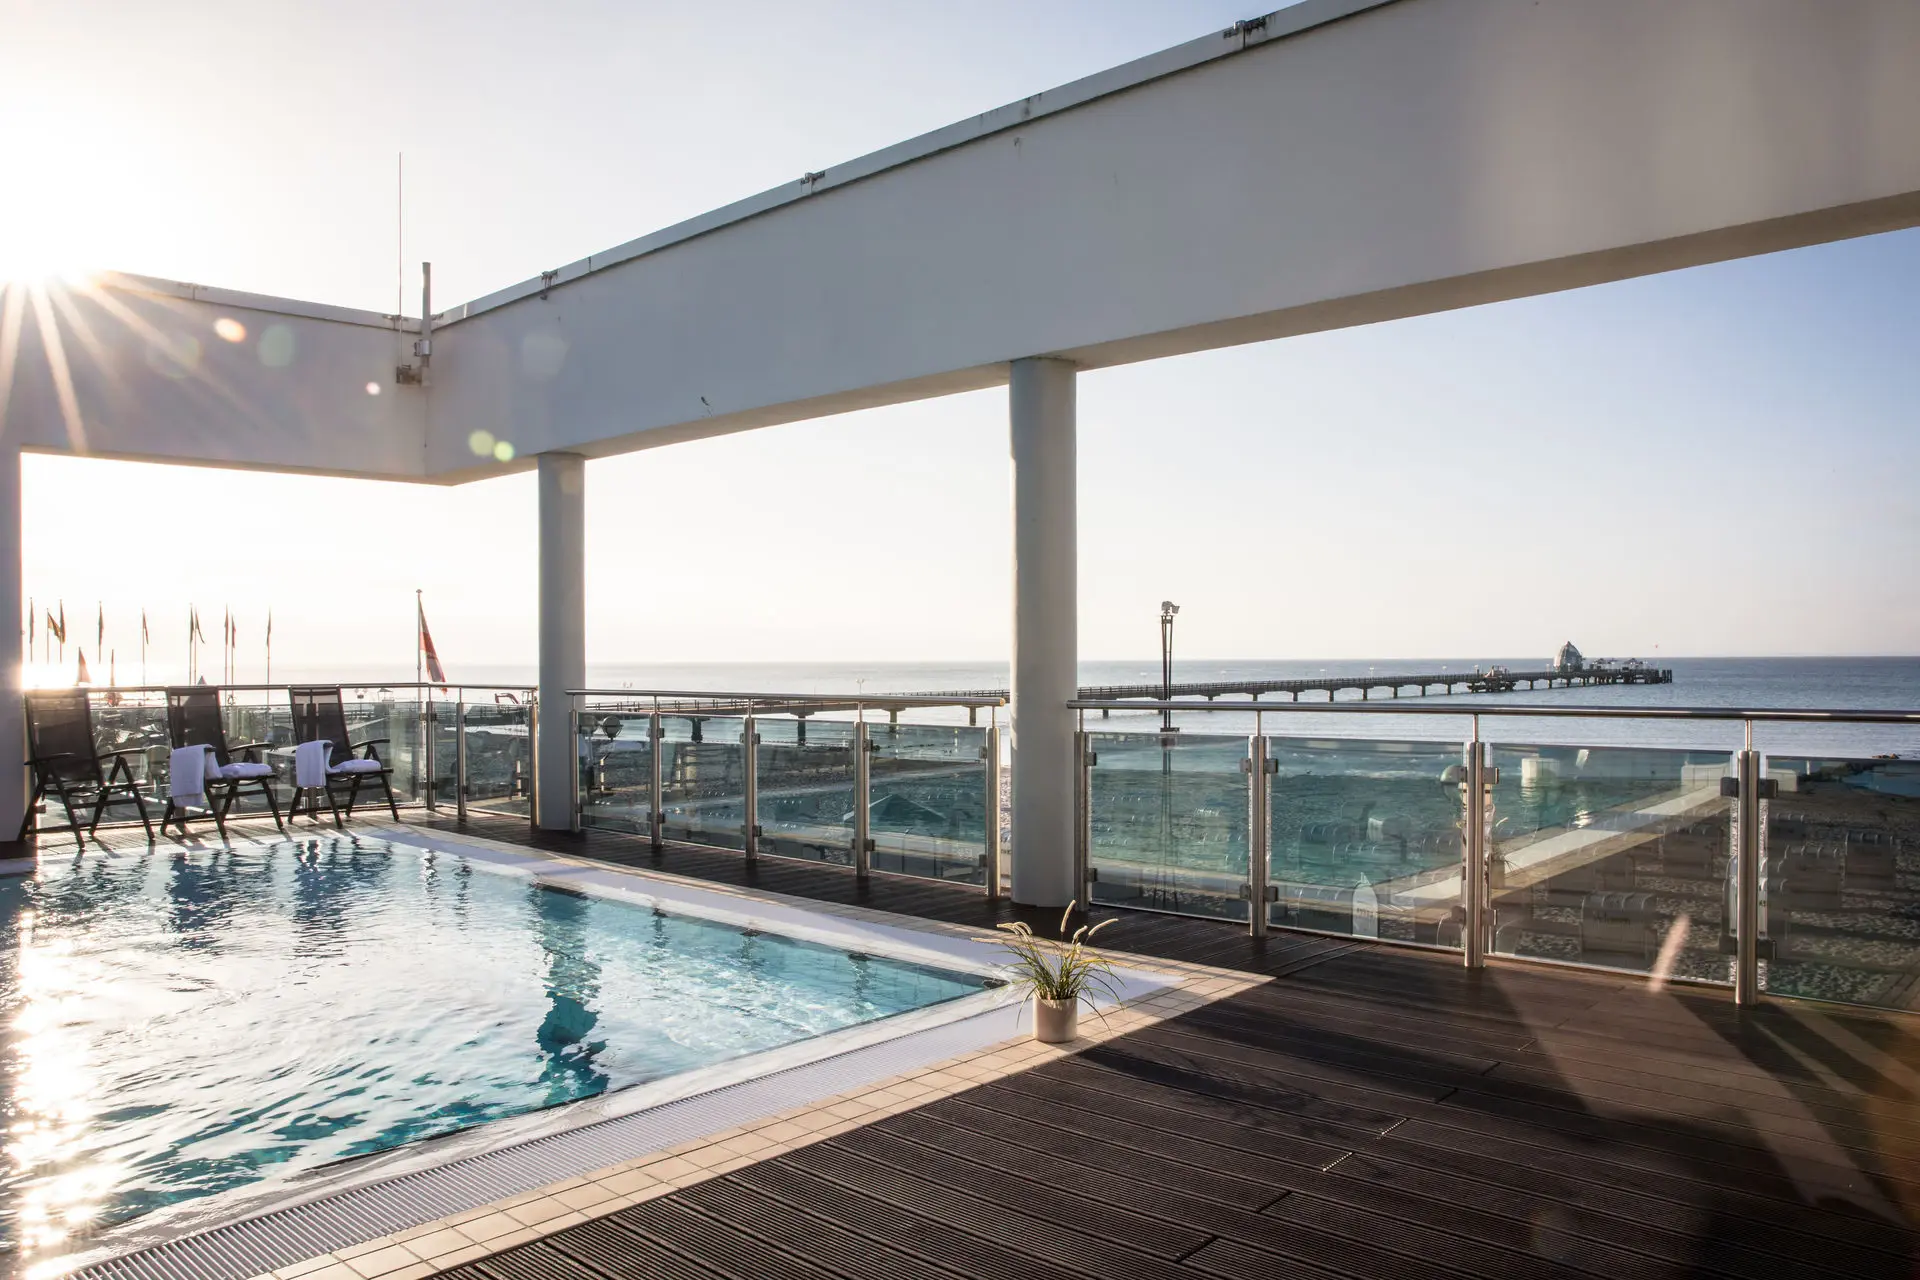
(178, 1025)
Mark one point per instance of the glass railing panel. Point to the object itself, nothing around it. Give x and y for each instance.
(616, 771)
(928, 806)
(398, 716)
(1366, 838)
(445, 727)
(1841, 898)
(806, 788)
(499, 754)
(1168, 823)
(1613, 856)
(702, 780)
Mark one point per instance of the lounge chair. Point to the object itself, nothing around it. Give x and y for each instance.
(193, 719)
(320, 715)
(65, 762)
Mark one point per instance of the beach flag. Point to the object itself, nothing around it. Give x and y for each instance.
(427, 651)
(83, 676)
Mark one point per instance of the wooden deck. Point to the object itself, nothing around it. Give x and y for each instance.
(1375, 1112)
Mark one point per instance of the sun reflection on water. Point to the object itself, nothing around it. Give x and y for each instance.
(58, 1186)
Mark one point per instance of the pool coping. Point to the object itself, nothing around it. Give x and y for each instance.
(997, 1047)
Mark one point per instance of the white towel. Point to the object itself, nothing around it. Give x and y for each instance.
(187, 771)
(310, 764)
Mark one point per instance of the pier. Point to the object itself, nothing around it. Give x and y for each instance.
(1492, 680)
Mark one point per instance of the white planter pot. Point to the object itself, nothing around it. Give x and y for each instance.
(1056, 1021)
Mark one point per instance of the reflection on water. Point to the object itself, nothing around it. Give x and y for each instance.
(177, 1025)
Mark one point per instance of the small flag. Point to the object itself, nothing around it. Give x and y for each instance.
(143, 626)
(100, 631)
(58, 630)
(194, 631)
(427, 650)
(84, 676)
(33, 620)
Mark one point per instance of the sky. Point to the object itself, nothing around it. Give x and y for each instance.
(1713, 462)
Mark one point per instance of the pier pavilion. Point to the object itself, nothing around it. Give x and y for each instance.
(1339, 162)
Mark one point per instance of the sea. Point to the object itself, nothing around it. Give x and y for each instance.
(1721, 684)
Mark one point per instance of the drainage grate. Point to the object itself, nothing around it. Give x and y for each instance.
(238, 1250)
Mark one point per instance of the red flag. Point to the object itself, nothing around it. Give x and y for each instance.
(427, 650)
(84, 676)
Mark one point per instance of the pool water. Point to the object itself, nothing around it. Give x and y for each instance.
(175, 1025)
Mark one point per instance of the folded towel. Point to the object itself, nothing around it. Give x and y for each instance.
(245, 771)
(310, 764)
(356, 766)
(187, 771)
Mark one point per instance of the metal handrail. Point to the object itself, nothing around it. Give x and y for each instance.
(395, 685)
(1767, 714)
(822, 699)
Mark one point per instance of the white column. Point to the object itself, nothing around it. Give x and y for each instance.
(563, 629)
(13, 753)
(1045, 630)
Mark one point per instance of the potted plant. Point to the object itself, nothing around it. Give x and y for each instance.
(1057, 975)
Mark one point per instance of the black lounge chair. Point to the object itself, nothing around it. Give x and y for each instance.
(193, 719)
(319, 715)
(65, 762)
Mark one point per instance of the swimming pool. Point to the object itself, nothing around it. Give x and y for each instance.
(182, 1024)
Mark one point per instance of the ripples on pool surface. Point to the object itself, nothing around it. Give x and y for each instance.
(177, 1025)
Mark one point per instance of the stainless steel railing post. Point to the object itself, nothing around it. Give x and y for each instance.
(1474, 886)
(995, 889)
(1257, 835)
(1083, 762)
(750, 788)
(862, 800)
(575, 800)
(656, 815)
(1749, 856)
(460, 756)
(428, 720)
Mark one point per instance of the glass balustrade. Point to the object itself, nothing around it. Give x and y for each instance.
(1167, 823)
(1613, 856)
(499, 750)
(928, 806)
(1841, 898)
(703, 793)
(616, 771)
(1365, 838)
(806, 788)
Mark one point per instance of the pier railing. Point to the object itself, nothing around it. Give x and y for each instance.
(1790, 871)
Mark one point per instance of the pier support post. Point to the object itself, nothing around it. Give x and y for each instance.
(563, 631)
(13, 729)
(1045, 631)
